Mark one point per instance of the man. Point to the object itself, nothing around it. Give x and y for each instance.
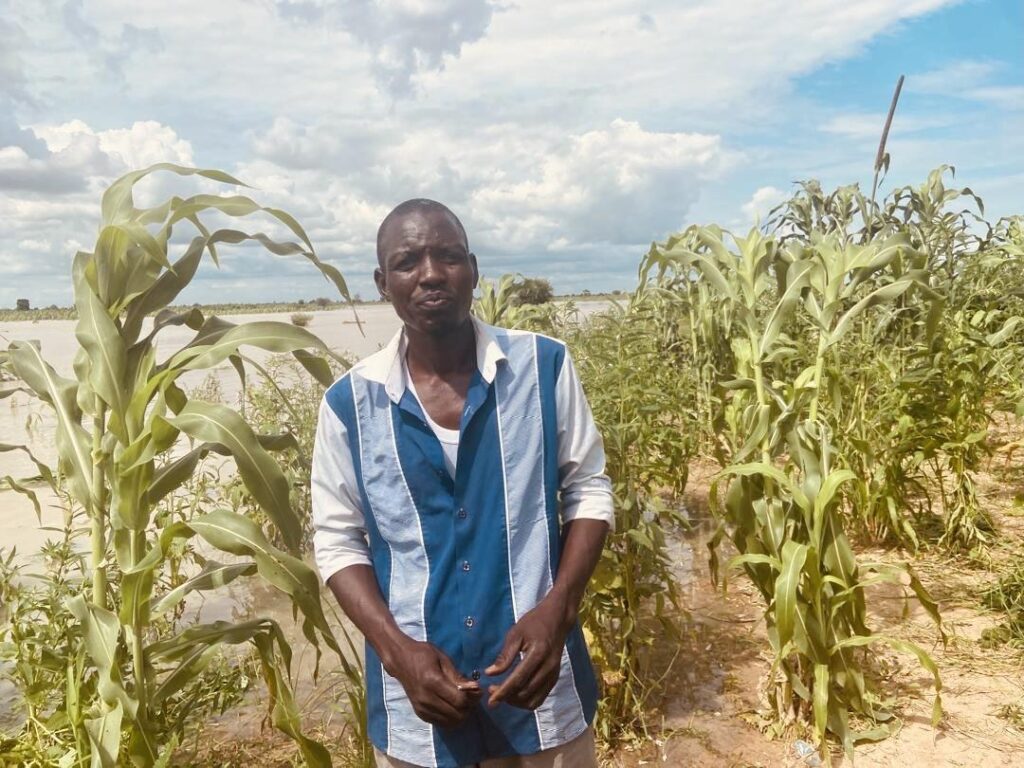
(460, 506)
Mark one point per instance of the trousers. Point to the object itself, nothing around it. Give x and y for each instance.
(578, 753)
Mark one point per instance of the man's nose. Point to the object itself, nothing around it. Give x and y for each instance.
(430, 270)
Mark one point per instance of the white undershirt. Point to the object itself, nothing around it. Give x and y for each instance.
(449, 438)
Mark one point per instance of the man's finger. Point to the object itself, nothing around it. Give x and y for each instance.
(468, 692)
(446, 702)
(439, 712)
(507, 654)
(447, 690)
(458, 679)
(533, 692)
(527, 667)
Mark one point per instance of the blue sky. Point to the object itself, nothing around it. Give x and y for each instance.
(566, 135)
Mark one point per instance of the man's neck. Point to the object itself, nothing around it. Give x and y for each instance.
(442, 355)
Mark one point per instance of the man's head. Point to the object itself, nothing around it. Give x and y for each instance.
(425, 268)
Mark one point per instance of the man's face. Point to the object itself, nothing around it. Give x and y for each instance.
(427, 272)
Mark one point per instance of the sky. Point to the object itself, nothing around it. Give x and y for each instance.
(567, 135)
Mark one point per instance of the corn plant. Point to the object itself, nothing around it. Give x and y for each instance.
(281, 400)
(500, 304)
(913, 395)
(496, 304)
(633, 602)
(781, 494)
(693, 341)
(128, 437)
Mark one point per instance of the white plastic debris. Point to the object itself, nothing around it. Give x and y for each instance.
(806, 753)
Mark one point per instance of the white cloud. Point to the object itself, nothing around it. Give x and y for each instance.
(35, 246)
(760, 204)
(405, 37)
(1004, 96)
(50, 202)
(702, 58)
(970, 79)
(78, 159)
(517, 190)
(564, 133)
(144, 143)
(955, 77)
(571, 60)
(620, 184)
(868, 125)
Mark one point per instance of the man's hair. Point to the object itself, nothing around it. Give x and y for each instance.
(417, 205)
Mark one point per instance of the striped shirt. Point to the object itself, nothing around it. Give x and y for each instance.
(460, 560)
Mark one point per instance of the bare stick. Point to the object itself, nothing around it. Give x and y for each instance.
(885, 136)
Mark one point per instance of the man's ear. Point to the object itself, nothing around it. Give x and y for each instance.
(476, 271)
(382, 285)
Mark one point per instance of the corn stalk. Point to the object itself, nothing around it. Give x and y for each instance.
(781, 493)
(129, 438)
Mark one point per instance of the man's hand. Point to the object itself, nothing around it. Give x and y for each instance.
(540, 634)
(439, 694)
(540, 637)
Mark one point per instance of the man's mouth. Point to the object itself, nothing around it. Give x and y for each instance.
(435, 301)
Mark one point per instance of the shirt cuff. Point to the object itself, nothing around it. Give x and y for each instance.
(332, 557)
(594, 504)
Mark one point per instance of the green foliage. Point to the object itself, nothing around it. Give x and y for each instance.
(842, 367)
(633, 603)
(913, 419)
(499, 304)
(129, 440)
(781, 492)
(496, 304)
(513, 300)
(283, 404)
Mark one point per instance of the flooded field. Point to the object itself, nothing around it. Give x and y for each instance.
(26, 421)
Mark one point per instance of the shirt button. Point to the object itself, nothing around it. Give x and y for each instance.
(469, 621)
(462, 513)
(465, 565)
(476, 674)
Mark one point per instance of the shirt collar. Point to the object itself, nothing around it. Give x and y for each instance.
(387, 367)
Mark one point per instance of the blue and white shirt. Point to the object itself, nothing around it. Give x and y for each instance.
(460, 560)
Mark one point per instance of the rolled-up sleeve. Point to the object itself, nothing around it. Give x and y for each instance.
(339, 527)
(586, 491)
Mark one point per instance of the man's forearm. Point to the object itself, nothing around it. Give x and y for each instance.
(581, 551)
(356, 591)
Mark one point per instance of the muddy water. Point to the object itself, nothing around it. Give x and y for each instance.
(25, 421)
